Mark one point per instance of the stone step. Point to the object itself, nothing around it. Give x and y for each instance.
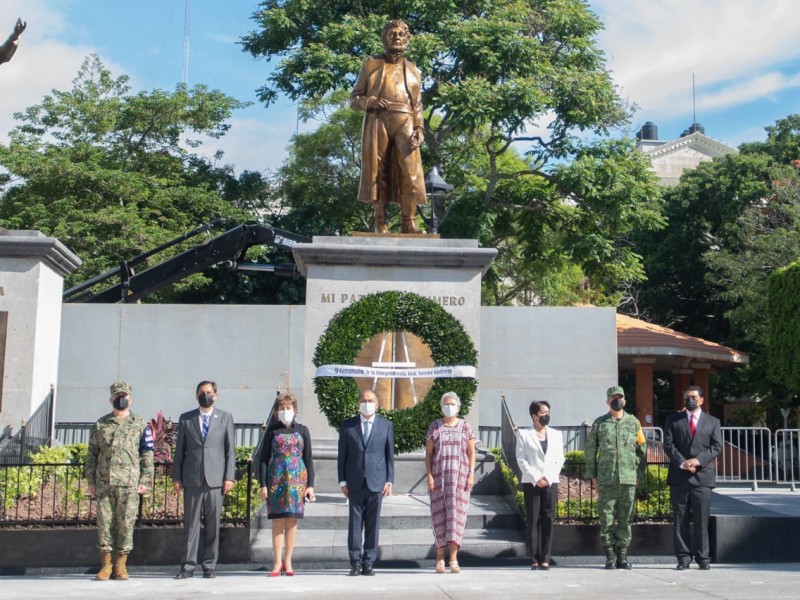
(494, 530)
(409, 471)
(320, 548)
(405, 511)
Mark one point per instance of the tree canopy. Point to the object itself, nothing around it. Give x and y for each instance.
(111, 174)
(518, 109)
(733, 221)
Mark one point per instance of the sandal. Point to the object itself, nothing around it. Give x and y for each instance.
(454, 568)
(440, 566)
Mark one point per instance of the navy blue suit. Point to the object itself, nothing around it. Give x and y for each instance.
(690, 493)
(366, 467)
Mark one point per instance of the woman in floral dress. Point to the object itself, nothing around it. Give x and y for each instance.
(450, 464)
(286, 477)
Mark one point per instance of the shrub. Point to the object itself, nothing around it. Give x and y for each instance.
(577, 509)
(652, 494)
(510, 478)
(575, 459)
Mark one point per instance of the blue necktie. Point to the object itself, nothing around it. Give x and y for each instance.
(205, 426)
(367, 427)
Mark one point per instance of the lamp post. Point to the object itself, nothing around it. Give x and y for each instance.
(437, 188)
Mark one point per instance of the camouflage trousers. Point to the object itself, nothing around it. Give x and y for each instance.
(117, 508)
(615, 504)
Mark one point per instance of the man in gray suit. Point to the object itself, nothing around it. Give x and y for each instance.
(204, 468)
(366, 474)
(692, 441)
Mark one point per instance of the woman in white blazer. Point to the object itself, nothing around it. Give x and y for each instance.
(540, 456)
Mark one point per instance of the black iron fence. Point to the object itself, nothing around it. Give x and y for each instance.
(245, 434)
(56, 494)
(33, 433)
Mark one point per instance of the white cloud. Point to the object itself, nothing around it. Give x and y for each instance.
(42, 62)
(737, 50)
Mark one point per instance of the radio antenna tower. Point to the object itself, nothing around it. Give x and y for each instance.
(186, 14)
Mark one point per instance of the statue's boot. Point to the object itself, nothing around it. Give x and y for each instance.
(380, 217)
(409, 217)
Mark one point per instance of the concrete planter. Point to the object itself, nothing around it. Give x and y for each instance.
(77, 547)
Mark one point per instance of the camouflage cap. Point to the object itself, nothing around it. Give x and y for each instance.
(613, 391)
(120, 387)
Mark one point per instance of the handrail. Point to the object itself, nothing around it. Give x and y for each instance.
(35, 432)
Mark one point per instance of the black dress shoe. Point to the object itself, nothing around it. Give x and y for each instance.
(184, 574)
(209, 573)
(682, 566)
(355, 571)
(367, 570)
(704, 566)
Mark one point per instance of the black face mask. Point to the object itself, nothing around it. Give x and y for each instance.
(690, 404)
(616, 404)
(205, 400)
(544, 420)
(120, 402)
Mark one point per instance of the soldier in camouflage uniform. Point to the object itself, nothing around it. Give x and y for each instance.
(119, 467)
(616, 457)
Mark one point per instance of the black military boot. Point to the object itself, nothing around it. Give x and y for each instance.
(611, 557)
(622, 558)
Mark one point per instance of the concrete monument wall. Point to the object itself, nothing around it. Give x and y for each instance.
(565, 355)
(32, 271)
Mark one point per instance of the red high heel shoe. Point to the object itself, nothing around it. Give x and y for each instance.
(285, 572)
(277, 573)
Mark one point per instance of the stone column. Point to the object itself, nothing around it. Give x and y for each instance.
(644, 390)
(340, 270)
(682, 379)
(32, 271)
(701, 371)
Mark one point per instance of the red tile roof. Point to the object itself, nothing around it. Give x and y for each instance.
(640, 338)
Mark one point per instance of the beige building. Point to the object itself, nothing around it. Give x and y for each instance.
(671, 158)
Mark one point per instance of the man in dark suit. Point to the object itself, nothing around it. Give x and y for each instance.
(205, 469)
(692, 441)
(366, 474)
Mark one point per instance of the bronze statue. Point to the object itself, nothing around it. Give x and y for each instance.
(9, 47)
(388, 91)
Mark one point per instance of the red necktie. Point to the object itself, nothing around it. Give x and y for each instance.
(692, 424)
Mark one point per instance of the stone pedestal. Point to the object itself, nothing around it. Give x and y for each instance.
(340, 270)
(32, 271)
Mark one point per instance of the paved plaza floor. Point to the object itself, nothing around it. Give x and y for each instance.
(573, 581)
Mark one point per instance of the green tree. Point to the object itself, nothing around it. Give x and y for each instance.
(111, 174)
(732, 222)
(493, 71)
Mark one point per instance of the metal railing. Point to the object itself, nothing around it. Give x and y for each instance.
(35, 432)
(786, 458)
(56, 494)
(508, 437)
(746, 456)
(489, 435)
(246, 434)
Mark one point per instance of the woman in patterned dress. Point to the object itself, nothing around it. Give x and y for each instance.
(450, 464)
(286, 476)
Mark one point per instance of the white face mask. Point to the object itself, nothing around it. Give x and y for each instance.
(286, 416)
(367, 408)
(450, 410)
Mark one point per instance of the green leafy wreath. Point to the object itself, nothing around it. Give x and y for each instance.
(351, 328)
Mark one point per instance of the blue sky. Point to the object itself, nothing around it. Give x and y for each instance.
(745, 55)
